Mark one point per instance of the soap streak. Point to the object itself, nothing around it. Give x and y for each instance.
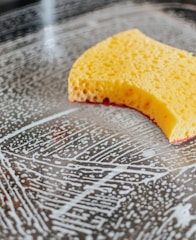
(37, 123)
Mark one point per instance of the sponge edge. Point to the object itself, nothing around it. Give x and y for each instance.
(136, 71)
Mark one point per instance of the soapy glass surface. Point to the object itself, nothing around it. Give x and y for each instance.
(84, 171)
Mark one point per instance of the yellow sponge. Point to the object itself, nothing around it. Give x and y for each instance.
(134, 70)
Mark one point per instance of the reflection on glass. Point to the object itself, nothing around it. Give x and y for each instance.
(48, 18)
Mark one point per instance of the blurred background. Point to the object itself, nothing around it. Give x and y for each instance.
(79, 6)
(26, 16)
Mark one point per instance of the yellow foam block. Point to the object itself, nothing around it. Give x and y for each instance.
(134, 70)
